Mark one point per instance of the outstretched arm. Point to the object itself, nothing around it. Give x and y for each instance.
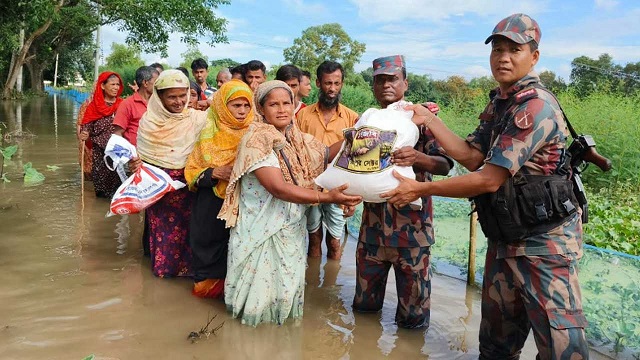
(456, 147)
(488, 179)
(272, 180)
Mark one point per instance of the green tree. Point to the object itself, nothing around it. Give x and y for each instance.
(454, 92)
(551, 82)
(367, 75)
(631, 81)
(122, 55)
(484, 84)
(147, 23)
(191, 54)
(420, 89)
(589, 75)
(68, 38)
(226, 62)
(324, 42)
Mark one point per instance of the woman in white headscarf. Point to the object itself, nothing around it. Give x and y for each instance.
(166, 136)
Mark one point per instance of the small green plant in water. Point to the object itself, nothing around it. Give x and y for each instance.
(8, 151)
(31, 175)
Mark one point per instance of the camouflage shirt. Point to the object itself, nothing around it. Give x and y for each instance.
(383, 225)
(529, 136)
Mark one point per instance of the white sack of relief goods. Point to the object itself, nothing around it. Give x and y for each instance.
(364, 160)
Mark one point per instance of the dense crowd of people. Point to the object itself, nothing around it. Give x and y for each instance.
(250, 149)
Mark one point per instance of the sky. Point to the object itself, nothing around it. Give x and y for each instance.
(440, 38)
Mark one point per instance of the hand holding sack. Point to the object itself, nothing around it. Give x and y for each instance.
(364, 160)
(143, 188)
(119, 151)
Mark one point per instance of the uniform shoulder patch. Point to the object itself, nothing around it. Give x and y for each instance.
(523, 120)
(526, 95)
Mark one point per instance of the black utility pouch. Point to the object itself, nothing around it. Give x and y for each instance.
(506, 210)
(562, 197)
(486, 219)
(535, 203)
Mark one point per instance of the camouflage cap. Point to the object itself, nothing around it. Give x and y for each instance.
(388, 65)
(520, 28)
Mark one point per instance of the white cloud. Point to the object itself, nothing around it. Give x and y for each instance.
(476, 71)
(281, 39)
(606, 4)
(438, 10)
(305, 8)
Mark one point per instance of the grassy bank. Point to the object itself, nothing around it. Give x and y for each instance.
(612, 120)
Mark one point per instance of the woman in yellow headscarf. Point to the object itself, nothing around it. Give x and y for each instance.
(207, 173)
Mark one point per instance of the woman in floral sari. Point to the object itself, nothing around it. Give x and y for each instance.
(270, 188)
(166, 136)
(207, 173)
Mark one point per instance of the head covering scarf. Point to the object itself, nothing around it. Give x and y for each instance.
(98, 108)
(218, 141)
(302, 157)
(165, 139)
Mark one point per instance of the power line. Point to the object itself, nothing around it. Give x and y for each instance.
(604, 71)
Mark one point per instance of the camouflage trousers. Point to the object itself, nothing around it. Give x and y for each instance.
(413, 281)
(532, 292)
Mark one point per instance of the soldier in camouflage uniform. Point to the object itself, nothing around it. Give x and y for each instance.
(531, 276)
(399, 237)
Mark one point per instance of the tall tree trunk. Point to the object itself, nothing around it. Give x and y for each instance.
(22, 54)
(36, 70)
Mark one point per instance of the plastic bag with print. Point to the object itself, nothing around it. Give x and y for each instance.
(141, 190)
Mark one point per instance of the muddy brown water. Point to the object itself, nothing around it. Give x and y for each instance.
(74, 283)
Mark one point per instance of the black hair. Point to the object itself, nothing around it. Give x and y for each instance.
(184, 71)
(199, 63)
(237, 69)
(145, 73)
(254, 65)
(193, 85)
(157, 66)
(288, 72)
(533, 45)
(327, 67)
(306, 73)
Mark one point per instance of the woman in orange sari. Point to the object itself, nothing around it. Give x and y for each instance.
(207, 173)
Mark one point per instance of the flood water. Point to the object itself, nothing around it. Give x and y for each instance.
(74, 283)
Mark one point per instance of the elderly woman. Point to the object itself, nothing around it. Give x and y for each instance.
(97, 128)
(270, 188)
(166, 136)
(207, 172)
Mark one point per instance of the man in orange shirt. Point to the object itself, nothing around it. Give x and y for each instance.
(325, 120)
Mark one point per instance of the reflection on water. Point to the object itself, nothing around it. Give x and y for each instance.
(74, 283)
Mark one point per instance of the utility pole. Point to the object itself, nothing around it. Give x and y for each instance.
(97, 60)
(55, 73)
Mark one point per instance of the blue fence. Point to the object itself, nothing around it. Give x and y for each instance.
(75, 94)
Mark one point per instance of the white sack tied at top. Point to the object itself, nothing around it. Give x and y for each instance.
(364, 160)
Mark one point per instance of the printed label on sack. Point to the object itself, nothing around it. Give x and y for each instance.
(366, 150)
